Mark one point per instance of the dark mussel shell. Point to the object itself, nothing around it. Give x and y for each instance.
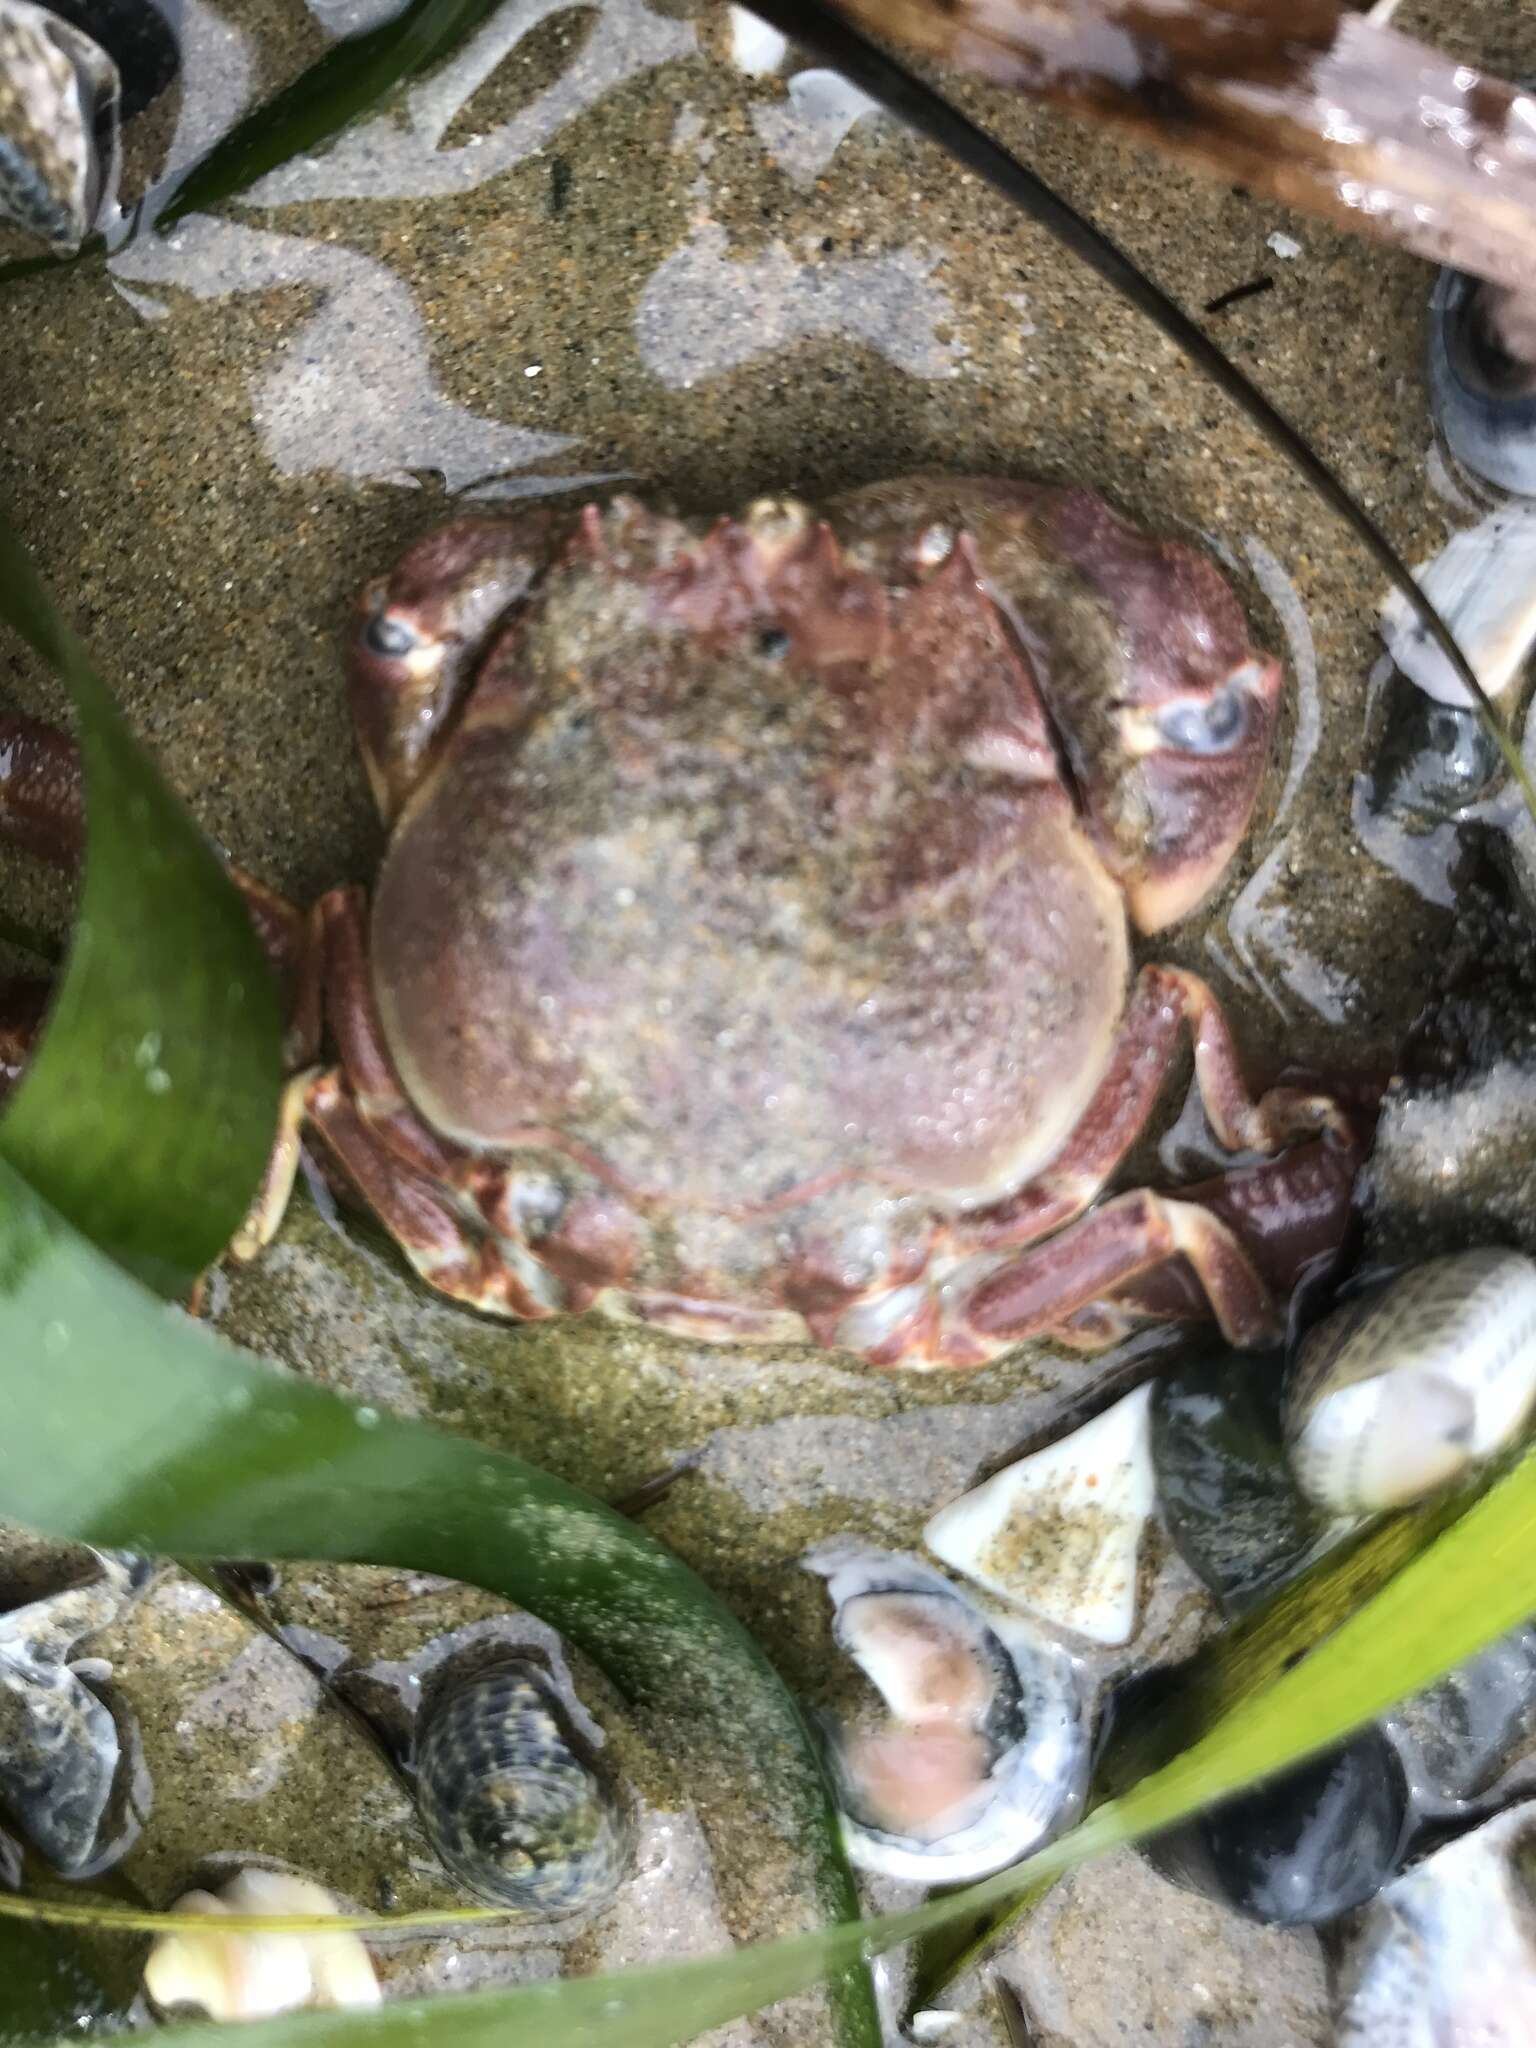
(1224, 1484)
(1484, 400)
(1433, 761)
(140, 38)
(1303, 1847)
(1462, 1732)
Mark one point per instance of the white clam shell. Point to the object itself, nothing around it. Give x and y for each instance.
(1483, 583)
(756, 48)
(1446, 1956)
(1396, 1394)
(1060, 1531)
(244, 1976)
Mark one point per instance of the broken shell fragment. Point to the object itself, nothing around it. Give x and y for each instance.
(514, 1801)
(1446, 1956)
(1482, 584)
(984, 1752)
(1060, 1531)
(245, 1976)
(1401, 1390)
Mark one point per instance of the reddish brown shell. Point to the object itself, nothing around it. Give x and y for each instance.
(747, 870)
(766, 884)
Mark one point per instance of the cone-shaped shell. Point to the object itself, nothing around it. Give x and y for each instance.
(516, 1807)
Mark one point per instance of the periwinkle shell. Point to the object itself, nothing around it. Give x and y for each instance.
(515, 1806)
(1303, 1847)
(1414, 1380)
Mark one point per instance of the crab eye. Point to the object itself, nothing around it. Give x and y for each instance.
(1214, 726)
(388, 637)
(773, 643)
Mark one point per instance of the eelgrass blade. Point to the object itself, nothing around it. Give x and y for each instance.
(147, 1113)
(350, 80)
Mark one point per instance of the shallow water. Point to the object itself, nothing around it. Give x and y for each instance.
(594, 248)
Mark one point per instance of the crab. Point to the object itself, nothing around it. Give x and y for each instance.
(752, 952)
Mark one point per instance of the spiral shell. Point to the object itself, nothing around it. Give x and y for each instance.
(515, 1807)
(1399, 1391)
(56, 89)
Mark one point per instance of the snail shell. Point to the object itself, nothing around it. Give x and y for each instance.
(58, 90)
(514, 1805)
(1401, 1390)
(1446, 1956)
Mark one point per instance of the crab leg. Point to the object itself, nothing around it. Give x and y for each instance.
(41, 806)
(1049, 1285)
(371, 1083)
(447, 1254)
(1163, 1002)
(1284, 1212)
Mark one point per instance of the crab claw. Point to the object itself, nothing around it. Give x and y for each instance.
(1199, 757)
(1168, 770)
(415, 634)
